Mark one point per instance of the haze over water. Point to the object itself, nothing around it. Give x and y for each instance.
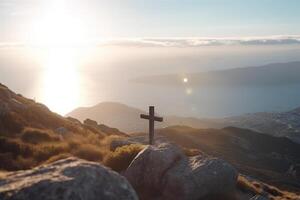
(106, 73)
(68, 54)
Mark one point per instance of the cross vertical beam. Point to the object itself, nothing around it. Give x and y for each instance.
(151, 125)
(152, 118)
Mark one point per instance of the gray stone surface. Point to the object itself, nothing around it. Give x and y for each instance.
(68, 179)
(165, 171)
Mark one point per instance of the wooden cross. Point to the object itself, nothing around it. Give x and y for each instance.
(152, 118)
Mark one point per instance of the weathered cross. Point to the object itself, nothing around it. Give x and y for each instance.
(152, 118)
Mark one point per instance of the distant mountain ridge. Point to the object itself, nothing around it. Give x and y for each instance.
(113, 114)
(267, 75)
(282, 124)
(125, 118)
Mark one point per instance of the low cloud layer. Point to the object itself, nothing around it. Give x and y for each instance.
(201, 41)
(176, 42)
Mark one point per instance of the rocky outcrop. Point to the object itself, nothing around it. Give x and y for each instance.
(66, 179)
(90, 122)
(103, 128)
(164, 172)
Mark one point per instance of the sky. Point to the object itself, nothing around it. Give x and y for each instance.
(57, 50)
(103, 19)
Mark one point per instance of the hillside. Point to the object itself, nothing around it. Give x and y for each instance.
(31, 134)
(285, 124)
(113, 114)
(279, 124)
(276, 74)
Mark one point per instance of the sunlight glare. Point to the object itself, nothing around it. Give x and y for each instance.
(58, 35)
(61, 81)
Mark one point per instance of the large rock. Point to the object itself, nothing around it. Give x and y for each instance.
(66, 179)
(91, 123)
(164, 172)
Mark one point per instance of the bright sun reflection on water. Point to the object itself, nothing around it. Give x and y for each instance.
(60, 87)
(58, 34)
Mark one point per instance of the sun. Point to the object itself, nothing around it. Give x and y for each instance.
(58, 26)
(60, 81)
(185, 80)
(58, 35)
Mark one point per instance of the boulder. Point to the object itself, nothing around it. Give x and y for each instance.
(91, 123)
(66, 179)
(74, 120)
(164, 172)
(110, 131)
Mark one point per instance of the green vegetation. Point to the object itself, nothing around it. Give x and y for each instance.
(35, 146)
(121, 158)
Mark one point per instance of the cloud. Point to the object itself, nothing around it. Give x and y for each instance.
(201, 41)
(176, 42)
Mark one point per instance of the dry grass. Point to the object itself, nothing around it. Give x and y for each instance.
(2, 174)
(35, 136)
(121, 158)
(34, 147)
(248, 187)
(58, 157)
(259, 188)
(89, 152)
(29, 135)
(191, 152)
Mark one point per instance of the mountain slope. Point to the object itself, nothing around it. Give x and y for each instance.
(31, 134)
(113, 114)
(276, 74)
(285, 124)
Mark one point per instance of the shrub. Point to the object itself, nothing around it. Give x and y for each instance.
(121, 158)
(44, 152)
(73, 145)
(9, 162)
(58, 157)
(191, 152)
(36, 136)
(10, 123)
(15, 147)
(88, 152)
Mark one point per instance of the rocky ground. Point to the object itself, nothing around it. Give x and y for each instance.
(160, 172)
(48, 147)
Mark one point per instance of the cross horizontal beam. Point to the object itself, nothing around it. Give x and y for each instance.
(158, 119)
